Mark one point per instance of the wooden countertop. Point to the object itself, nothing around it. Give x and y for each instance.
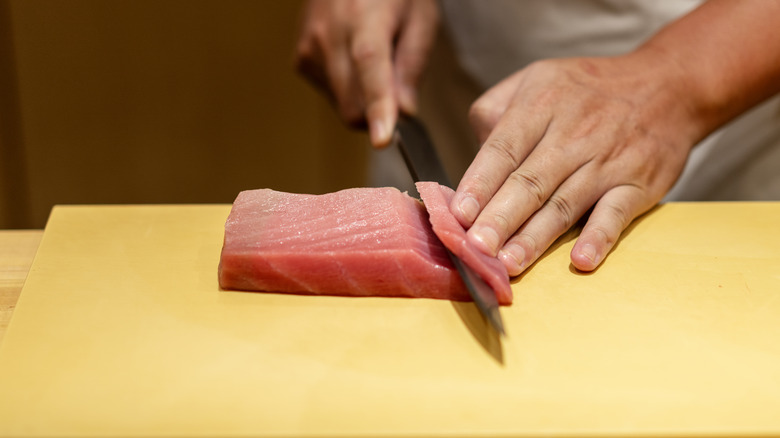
(17, 250)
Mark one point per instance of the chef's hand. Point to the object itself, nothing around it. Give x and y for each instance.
(368, 57)
(562, 136)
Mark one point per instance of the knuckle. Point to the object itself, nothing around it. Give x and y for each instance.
(482, 114)
(609, 230)
(502, 219)
(505, 149)
(530, 245)
(364, 51)
(321, 31)
(317, 34)
(621, 216)
(528, 241)
(532, 183)
(605, 235)
(564, 210)
(479, 185)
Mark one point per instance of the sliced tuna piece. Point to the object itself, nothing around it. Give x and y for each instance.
(437, 200)
(355, 242)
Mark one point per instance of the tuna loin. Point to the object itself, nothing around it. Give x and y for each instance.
(355, 242)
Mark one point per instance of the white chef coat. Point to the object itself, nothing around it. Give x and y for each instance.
(491, 39)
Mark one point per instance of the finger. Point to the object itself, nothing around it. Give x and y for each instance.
(524, 192)
(309, 62)
(345, 88)
(516, 134)
(561, 211)
(334, 78)
(308, 55)
(611, 215)
(371, 52)
(322, 57)
(412, 50)
(310, 58)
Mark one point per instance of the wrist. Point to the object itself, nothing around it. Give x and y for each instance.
(670, 104)
(701, 103)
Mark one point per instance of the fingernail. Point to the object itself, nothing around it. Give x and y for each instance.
(379, 133)
(589, 251)
(469, 208)
(513, 257)
(485, 239)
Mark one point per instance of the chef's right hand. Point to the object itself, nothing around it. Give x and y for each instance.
(368, 57)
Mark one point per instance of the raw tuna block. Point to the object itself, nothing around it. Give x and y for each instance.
(437, 200)
(355, 242)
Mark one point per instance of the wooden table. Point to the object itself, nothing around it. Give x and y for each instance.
(17, 250)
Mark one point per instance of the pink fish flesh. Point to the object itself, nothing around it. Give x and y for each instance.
(355, 242)
(447, 228)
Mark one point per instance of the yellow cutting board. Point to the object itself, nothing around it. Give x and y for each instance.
(121, 330)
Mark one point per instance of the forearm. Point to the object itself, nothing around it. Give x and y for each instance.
(725, 57)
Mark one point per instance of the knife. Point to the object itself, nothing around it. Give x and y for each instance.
(420, 156)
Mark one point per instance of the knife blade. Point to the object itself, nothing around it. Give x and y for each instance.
(412, 140)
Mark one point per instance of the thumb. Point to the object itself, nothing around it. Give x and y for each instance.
(415, 42)
(371, 52)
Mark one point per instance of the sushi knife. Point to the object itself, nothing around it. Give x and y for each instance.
(420, 156)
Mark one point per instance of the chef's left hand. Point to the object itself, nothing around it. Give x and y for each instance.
(562, 136)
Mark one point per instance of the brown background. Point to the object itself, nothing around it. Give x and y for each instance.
(159, 101)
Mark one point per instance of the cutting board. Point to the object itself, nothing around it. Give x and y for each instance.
(122, 330)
